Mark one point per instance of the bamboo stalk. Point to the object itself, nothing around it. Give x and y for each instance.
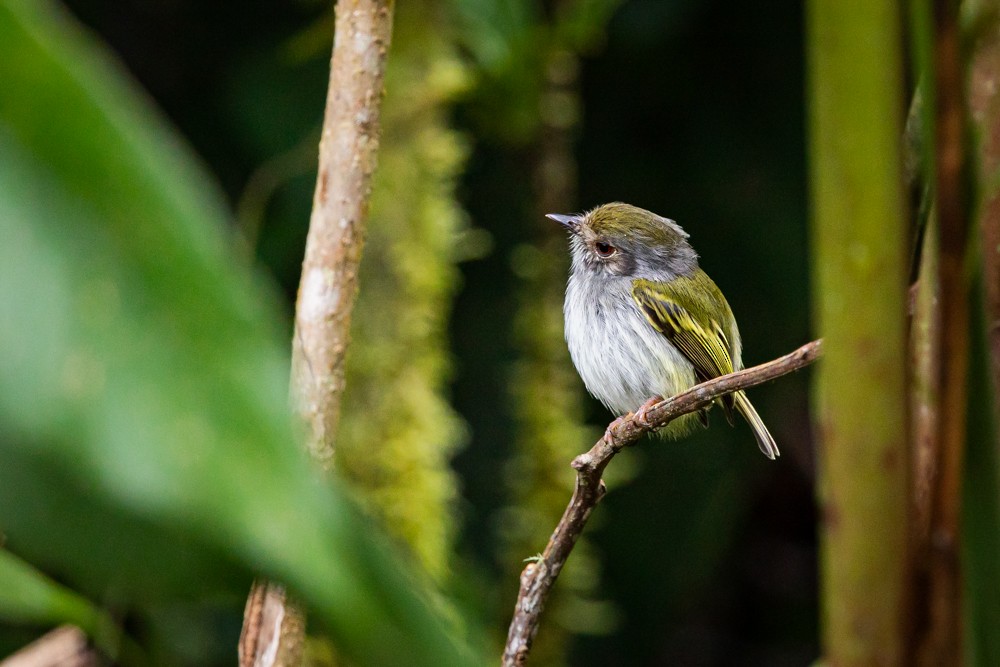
(943, 642)
(859, 255)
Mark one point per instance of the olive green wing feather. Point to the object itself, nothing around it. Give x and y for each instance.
(672, 309)
(669, 309)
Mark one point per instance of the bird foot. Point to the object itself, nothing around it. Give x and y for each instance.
(642, 413)
(612, 426)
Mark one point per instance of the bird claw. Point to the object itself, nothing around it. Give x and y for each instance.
(608, 437)
(641, 414)
(638, 417)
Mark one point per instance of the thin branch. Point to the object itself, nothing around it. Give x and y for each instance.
(925, 361)
(347, 158)
(539, 576)
(274, 626)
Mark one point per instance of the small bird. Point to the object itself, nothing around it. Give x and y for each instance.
(643, 321)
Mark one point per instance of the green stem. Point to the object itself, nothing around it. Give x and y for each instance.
(859, 245)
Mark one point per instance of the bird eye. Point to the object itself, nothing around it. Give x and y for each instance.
(605, 249)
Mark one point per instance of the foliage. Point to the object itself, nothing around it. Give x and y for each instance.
(28, 595)
(148, 467)
(144, 374)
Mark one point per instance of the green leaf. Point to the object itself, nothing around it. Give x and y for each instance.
(27, 595)
(147, 446)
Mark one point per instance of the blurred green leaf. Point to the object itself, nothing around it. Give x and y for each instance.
(144, 427)
(27, 595)
(494, 30)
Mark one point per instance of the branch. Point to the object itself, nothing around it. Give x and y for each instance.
(347, 158)
(274, 626)
(539, 576)
(66, 646)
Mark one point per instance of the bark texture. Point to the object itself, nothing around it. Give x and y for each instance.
(347, 157)
(274, 626)
(925, 342)
(399, 371)
(66, 646)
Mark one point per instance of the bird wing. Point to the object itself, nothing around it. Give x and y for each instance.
(702, 340)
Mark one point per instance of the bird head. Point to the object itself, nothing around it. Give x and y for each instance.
(622, 240)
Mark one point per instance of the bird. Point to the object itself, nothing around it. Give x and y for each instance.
(643, 321)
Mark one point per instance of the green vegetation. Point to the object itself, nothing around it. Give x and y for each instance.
(156, 175)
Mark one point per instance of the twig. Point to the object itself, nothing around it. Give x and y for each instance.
(539, 576)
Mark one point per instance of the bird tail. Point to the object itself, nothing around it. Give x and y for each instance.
(764, 439)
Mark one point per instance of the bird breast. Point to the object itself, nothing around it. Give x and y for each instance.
(622, 360)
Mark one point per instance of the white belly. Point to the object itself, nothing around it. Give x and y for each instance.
(621, 358)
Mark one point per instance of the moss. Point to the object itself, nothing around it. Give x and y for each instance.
(398, 431)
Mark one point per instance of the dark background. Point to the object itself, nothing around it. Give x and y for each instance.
(692, 109)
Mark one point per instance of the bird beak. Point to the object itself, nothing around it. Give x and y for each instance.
(570, 222)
